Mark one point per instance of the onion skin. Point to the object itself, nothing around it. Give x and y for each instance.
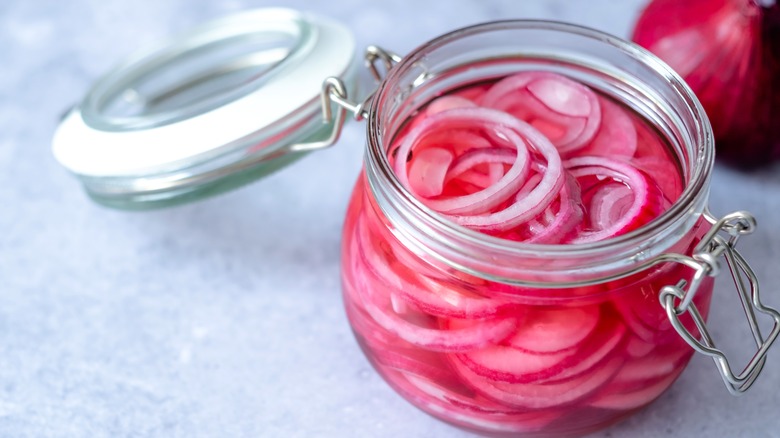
(728, 51)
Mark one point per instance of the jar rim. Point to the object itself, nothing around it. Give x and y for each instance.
(700, 163)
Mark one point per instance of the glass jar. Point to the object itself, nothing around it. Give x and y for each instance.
(501, 337)
(491, 335)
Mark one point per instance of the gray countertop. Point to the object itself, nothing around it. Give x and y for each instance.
(224, 317)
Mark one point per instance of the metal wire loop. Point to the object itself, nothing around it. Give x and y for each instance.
(334, 92)
(738, 223)
(677, 300)
(388, 58)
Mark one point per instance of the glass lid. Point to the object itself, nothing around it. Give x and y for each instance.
(207, 111)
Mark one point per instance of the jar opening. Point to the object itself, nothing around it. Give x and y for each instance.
(489, 51)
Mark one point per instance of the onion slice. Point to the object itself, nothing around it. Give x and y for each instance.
(611, 221)
(475, 118)
(567, 112)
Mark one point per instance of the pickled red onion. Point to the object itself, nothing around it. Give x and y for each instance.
(613, 222)
(568, 216)
(616, 136)
(475, 157)
(427, 172)
(445, 103)
(488, 198)
(568, 112)
(492, 171)
(378, 303)
(434, 339)
(537, 396)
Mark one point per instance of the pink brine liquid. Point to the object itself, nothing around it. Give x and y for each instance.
(538, 158)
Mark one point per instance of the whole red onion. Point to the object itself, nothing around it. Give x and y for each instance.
(729, 53)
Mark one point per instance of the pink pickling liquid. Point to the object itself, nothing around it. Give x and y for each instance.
(505, 360)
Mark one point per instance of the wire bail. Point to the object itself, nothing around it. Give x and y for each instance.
(334, 92)
(678, 299)
(388, 58)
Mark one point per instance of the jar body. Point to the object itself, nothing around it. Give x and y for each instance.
(500, 359)
(508, 338)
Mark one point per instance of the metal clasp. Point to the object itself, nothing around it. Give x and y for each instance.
(678, 299)
(334, 92)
